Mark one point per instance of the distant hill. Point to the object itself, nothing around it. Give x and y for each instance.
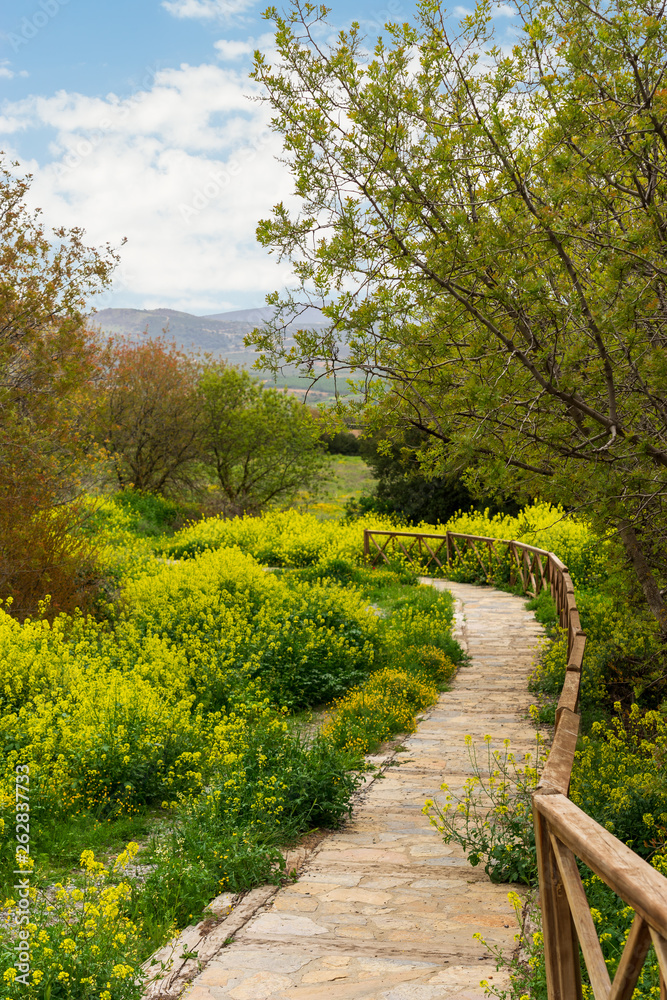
(253, 316)
(201, 333)
(221, 333)
(310, 316)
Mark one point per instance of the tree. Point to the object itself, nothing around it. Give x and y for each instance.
(340, 442)
(485, 231)
(45, 285)
(262, 445)
(49, 364)
(150, 419)
(402, 488)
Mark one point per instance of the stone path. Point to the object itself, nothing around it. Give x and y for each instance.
(383, 910)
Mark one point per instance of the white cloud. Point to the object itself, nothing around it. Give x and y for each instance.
(10, 124)
(178, 108)
(229, 50)
(5, 72)
(206, 10)
(184, 169)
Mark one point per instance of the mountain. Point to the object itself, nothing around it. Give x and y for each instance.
(309, 316)
(200, 333)
(254, 316)
(221, 333)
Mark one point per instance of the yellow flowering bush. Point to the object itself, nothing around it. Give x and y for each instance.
(81, 941)
(435, 663)
(418, 626)
(96, 734)
(547, 527)
(113, 717)
(120, 550)
(416, 640)
(288, 538)
(294, 539)
(620, 643)
(303, 643)
(491, 817)
(619, 779)
(177, 698)
(613, 919)
(265, 774)
(385, 705)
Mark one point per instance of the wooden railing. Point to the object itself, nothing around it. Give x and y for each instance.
(563, 832)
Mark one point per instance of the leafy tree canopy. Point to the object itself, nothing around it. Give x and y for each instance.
(49, 365)
(403, 488)
(149, 417)
(263, 445)
(485, 230)
(48, 357)
(182, 425)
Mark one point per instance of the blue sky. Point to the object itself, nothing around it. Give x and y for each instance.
(133, 117)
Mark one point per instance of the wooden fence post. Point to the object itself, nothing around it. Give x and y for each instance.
(367, 547)
(561, 947)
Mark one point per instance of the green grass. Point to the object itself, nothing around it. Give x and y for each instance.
(351, 478)
(391, 597)
(58, 845)
(322, 391)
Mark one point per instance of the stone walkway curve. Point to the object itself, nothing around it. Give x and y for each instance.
(383, 910)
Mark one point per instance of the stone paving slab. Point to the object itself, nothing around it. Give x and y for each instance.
(383, 909)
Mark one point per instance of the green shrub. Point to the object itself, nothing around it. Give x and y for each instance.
(151, 514)
(545, 610)
(190, 868)
(618, 778)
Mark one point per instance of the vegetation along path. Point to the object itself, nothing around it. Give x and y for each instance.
(383, 909)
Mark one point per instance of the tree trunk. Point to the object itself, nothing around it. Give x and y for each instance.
(654, 598)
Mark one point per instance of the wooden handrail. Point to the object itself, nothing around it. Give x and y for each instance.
(631, 878)
(408, 534)
(563, 832)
